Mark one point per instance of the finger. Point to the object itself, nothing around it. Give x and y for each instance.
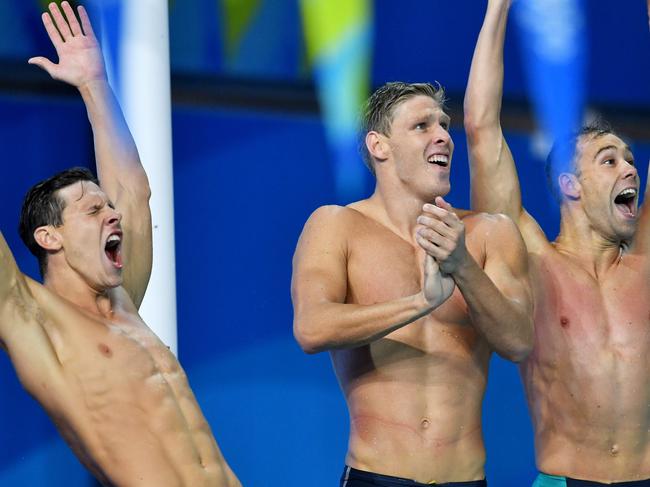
(436, 239)
(433, 250)
(60, 22)
(449, 217)
(71, 18)
(85, 22)
(437, 225)
(52, 32)
(440, 202)
(43, 63)
(431, 267)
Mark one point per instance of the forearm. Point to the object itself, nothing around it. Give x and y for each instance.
(642, 235)
(494, 182)
(327, 325)
(485, 86)
(118, 162)
(505, 323)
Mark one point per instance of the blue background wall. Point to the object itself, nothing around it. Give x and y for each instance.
(245, 182)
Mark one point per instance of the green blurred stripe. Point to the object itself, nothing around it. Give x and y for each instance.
(326, 22)
(237, 17)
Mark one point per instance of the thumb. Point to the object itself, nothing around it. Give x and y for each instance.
(43, 63)
(441, 203)
(431, 266)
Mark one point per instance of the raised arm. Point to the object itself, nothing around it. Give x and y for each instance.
(120, 172)
(497, 293)
(322, 319)
(494, 182)
(642, 237)
(9, 285)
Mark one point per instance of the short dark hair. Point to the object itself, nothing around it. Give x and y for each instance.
(377, 112)
(555, 165)
(43, 206)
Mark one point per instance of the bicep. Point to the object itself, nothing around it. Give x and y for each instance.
(641, 242)
(319, 265)
(494, 180)
(9, 273)
(137, 251)
(506, 263)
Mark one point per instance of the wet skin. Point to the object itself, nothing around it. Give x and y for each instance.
(413, 370)
(116, 393)
(587, 379)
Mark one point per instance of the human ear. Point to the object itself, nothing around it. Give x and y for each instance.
(48, 238)
(569, 185)
(377, 145)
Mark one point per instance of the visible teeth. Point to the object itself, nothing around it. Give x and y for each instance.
(114, 238)
(628, 192)
(439, 158)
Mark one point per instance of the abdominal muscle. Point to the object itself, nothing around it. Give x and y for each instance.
(587, 378)
(415, 408)
(123, 404)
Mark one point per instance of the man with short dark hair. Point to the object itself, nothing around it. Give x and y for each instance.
(587, 380)
(411, 297)
(116, 393)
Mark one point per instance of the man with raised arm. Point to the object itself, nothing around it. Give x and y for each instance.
(587, 380)
(116, 393)
(410, 297)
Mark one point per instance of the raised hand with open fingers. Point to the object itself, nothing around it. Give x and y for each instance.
(80, 57)
(442, 235)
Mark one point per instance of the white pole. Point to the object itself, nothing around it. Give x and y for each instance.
(146, 100)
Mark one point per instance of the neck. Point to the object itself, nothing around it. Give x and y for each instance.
(78, 292)
(583, 243)
(397, 209)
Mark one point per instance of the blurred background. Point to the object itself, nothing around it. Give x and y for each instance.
(264, 101)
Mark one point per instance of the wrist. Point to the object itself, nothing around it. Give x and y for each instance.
(465, 269)
(90, 84)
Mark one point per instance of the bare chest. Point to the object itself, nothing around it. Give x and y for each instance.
(382, 267)
(583, 315)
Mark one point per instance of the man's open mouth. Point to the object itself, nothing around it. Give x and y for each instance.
(439, 159)
(113, 250)
(625, 201)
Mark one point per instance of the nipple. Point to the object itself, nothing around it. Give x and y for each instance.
(105, 350)
(564, 322)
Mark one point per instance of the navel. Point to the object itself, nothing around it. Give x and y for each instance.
(424, 424)
(105, 350)
(564, 322)
(614, 450)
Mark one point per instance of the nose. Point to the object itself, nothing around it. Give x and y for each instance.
(442, 137)
(629, 171)
(114, 218)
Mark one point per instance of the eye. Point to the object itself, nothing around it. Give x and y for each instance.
(421, 126)
(444, 125)
(609, 162)
(630, 162)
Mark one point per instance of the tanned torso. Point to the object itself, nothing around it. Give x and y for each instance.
(587, 381)
(115, 392)
(415, 395)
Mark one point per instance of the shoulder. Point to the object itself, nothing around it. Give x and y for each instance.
(334, 219)
(489, 225)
